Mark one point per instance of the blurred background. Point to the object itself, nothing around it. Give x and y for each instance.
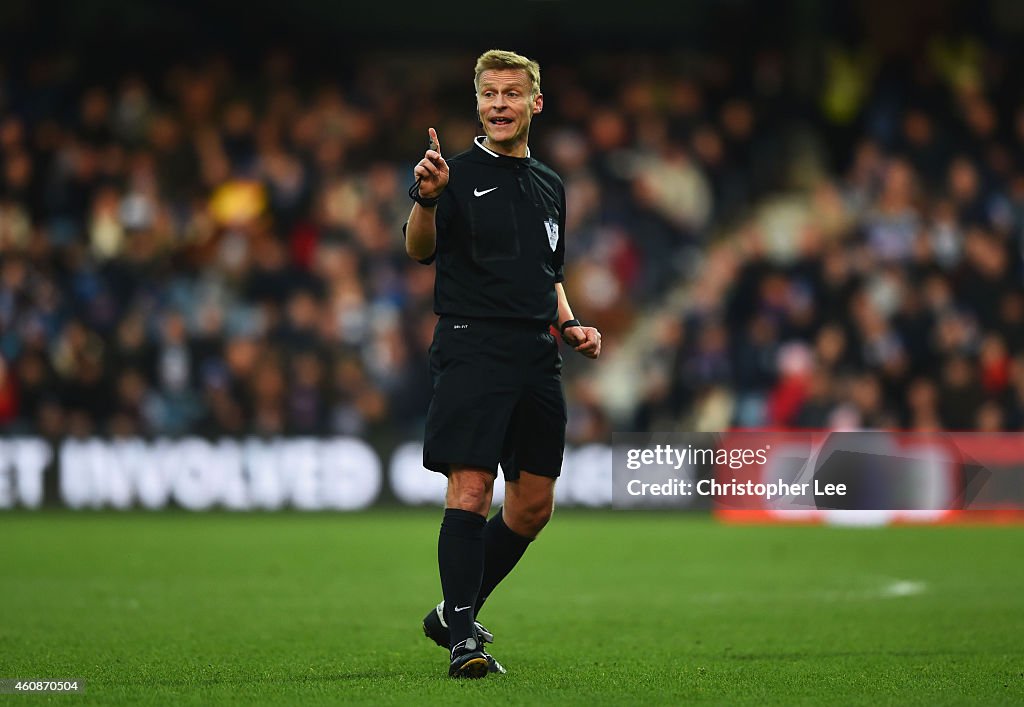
(781, 215)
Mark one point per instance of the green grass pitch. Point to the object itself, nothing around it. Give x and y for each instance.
(606, 608)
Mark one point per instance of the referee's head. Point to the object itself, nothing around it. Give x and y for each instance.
(507, 97)
(499, 59)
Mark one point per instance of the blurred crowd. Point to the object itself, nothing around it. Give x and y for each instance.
(889, 292)
(217, 252)
(207, 252)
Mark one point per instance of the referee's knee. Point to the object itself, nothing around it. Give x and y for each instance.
(528, 519)
(470, 490)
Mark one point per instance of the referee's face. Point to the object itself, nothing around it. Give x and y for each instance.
(505, 107)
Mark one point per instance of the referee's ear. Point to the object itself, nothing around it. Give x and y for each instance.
(538, 103)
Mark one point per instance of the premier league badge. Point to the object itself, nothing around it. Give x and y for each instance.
(551, 225)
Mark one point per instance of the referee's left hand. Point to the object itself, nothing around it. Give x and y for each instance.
(585, 339)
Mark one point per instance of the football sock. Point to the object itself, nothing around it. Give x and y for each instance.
(460, 558)
(502, 549)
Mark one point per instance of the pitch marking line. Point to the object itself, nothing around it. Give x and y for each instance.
(904, 588)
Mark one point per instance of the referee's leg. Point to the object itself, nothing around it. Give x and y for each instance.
(460, 547)
(529, 502)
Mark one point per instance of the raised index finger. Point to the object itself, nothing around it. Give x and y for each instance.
(434, 141)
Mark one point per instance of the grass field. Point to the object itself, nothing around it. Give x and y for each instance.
(608, 608)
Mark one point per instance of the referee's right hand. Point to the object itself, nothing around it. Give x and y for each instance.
(432, 170)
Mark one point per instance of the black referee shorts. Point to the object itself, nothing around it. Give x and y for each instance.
(497, 398)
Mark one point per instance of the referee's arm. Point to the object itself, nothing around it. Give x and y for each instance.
(584, 339)
(432, 177)
(564, 310)
(421, 233)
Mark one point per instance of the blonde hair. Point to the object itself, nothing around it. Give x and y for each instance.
(498, 59)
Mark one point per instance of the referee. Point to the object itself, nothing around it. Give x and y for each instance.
(493, 220)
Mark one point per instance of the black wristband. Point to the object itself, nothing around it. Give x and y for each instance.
(414, 194)
(567, 324)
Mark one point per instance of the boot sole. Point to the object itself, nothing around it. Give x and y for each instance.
(472, 669)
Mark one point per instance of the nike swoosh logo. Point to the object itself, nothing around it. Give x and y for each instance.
(463, 608)
(477, 192)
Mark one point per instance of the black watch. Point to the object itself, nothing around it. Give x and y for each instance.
(566, 325)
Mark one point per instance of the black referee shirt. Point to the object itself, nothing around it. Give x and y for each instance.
(500, 237)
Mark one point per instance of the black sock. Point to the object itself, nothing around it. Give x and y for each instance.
(460, 558)
(502, 549)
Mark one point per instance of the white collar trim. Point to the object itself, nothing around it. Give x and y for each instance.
(479, 142)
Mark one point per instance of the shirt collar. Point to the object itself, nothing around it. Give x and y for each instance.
(479, 142)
